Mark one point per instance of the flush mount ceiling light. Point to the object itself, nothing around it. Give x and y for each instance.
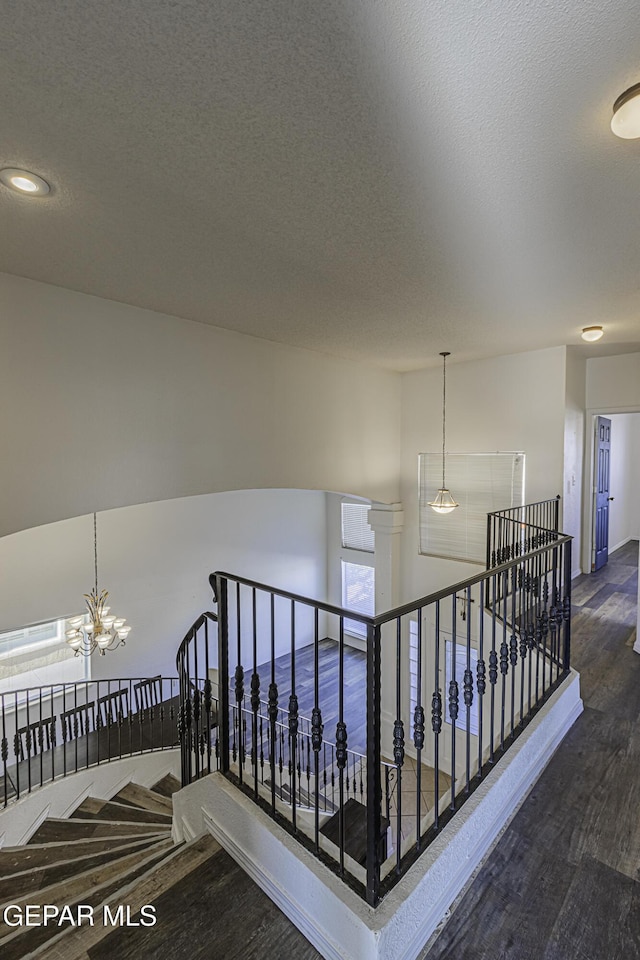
(625, 121)
(22, 181)
(444, 502)
(591, 334)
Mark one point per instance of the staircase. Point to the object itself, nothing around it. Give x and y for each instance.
(119, 854)
(110, 857)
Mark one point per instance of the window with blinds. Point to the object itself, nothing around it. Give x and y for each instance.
(481, 483)
(356, 532)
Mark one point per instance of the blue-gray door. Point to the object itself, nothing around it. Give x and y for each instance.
(603, 461)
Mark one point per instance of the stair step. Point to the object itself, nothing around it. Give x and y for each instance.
(81, 942)
(68, 862)
(90, 887)
(204, 917)
(167, 786)
(32, 856)
(137, 796)
(93, 809)
(53, 829)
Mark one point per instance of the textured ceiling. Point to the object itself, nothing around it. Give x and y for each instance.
(368, 178)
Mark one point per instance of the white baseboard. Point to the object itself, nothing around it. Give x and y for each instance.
(333, 918)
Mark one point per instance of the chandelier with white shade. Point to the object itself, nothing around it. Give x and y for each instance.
(97, 629)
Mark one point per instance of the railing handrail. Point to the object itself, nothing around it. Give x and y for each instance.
(382, 618)
(524, 506)
(188, 637)
(59, 684)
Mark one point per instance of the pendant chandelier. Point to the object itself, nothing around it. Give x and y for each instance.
(97, 629)
(444, 502)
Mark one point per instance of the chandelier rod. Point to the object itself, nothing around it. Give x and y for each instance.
(95, 550)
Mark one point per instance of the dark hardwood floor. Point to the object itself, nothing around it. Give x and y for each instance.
(563, 881)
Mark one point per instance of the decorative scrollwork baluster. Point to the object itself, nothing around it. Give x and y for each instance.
(513, 650)
(468, 688)
(481, 684)
(317, 729)
(453, 699)
(493, 668)
(341, 744)
(398, 742)
(504, 658)
(418, 727)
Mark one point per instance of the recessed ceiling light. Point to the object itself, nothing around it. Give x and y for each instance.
(592, 333)
(24, 182)
(625, 121)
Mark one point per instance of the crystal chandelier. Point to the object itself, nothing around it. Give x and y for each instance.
(444, 502)
(97, 629)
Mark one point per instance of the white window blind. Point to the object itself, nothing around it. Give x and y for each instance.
(356, 532)
(481, 483)
(358, 593)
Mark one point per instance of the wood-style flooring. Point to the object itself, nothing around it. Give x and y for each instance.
(563, 881)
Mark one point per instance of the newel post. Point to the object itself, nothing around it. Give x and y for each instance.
(374, 773)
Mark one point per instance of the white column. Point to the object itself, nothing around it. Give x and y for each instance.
(387, 522)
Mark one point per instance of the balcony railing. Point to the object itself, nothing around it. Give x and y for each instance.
(50, 731)
(445, 687)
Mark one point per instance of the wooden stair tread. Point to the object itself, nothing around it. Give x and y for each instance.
(137, 796)
(91, 887)
(167, 786)
(68, 862)
(210, 901)
(77, 944)
(94, 809)
(53, 829)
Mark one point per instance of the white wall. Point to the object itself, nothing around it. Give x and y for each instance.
(505, 403)
(155, 559)
(105, 405)
(571, 503)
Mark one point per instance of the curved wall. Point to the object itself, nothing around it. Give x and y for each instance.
(105, 405)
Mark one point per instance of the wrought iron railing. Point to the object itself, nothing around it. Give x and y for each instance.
(50, 731)
(517, 531)
(442, 691)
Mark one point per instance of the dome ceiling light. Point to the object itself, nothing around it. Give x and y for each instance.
(22, 181)
(591, 334)
(625, 121)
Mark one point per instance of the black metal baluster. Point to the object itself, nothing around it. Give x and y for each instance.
(436, 722)
(53, 736)
(453, 701)
(223, 673)
(418, 724)
(493, 665)
(513, 646)
(341, 746)
(317, 727)
(468, 691)
(4, 750)
(374, 785)
(293, 718)
(273, 708)
(398, 742)
(16, 745)
(255, 694)
(239, 685)
(523, 637)
(504, 656)
(481, 676)
(566, 610)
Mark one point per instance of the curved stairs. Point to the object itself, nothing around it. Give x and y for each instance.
(119, 853)
(116, 853)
